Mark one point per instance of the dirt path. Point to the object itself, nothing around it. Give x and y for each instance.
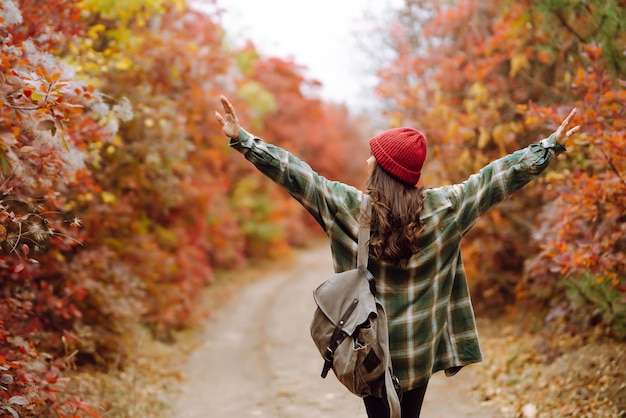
(258, 360)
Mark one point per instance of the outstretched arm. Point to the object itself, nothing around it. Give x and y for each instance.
(321, 197)
(499, 179)
(229, 122)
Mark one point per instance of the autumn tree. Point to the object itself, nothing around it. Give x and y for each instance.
(120, 197)
(466, 72)
(587, 243)
(41, 103)
(322, 134)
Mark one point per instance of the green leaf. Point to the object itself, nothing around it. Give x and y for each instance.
(65, 145)
(4, 164)
(36, 96)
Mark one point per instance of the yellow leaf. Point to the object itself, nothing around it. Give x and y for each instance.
(479, 92)
(94, 32)
(465, 157)
(123, 64)
(518, 62)
(555, 176)
(501, 134)
(567, 78)
(36, 96)
(107, 197)
(484, 138)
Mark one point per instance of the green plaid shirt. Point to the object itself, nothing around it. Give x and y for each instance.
(431, 319)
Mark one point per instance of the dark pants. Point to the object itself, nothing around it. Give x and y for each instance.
(411, 404)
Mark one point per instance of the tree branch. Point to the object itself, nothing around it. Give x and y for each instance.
(569, 28)
(608, 160)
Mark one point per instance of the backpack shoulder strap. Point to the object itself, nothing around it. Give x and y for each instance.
(364, 232)
(392, 386)
(362, 257)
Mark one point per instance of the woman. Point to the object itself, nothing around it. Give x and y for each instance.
(415, 244)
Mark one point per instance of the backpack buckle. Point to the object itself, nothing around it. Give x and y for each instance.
(396, 385)
(328, 362)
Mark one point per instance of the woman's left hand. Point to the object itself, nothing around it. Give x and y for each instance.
(564, 131)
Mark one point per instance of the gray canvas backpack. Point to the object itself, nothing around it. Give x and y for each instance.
(349, 328)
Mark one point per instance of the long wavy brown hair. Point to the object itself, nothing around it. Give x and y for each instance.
(395, 221)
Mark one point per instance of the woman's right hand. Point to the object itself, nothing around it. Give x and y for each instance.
(229, 122)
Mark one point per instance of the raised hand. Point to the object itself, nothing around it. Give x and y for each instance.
(229, 121)
(563, 133)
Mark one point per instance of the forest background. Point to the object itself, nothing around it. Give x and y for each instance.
(120, 199)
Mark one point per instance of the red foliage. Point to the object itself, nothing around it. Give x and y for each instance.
(48, 23)
(589, 233)
(39, 100)
(120, 196)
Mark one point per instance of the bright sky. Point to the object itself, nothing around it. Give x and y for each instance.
(318, 34)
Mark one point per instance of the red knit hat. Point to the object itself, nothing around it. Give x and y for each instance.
(400, 152)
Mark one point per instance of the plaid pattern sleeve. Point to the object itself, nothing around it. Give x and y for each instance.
(499, 179)
(322, 198)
